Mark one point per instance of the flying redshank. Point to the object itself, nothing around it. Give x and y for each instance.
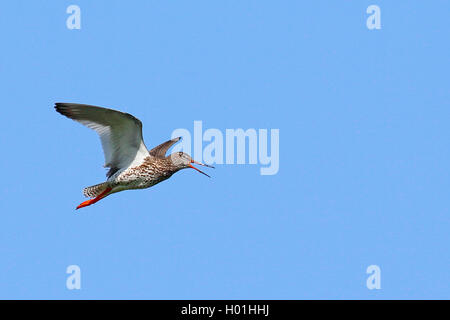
(131, 165)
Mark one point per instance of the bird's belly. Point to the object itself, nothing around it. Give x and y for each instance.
(133, 179)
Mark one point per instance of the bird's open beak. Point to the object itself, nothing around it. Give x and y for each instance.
(202, 164)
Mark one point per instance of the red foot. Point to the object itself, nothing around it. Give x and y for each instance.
(92, 201)
(85, 204)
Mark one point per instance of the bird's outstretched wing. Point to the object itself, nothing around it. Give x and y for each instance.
(160, 151)
(120, 133)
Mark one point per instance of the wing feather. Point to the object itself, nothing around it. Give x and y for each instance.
(120, 133)
(160, 151)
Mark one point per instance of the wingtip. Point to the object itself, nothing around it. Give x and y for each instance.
(59, 107)
(64, 109)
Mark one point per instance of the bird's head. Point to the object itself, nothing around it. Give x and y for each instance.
(182, 160)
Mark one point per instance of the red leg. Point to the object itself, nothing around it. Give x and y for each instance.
(92, 201)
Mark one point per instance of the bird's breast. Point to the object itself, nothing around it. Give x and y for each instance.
(145, 175)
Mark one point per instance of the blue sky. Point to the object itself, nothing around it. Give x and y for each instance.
(364, 153)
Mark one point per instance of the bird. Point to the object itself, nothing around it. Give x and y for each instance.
(131, 165)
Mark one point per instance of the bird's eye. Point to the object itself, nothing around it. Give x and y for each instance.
(180, 154)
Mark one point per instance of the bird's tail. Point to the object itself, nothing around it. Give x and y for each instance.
(95, 191)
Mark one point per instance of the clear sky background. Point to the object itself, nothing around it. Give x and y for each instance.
(364, 149)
